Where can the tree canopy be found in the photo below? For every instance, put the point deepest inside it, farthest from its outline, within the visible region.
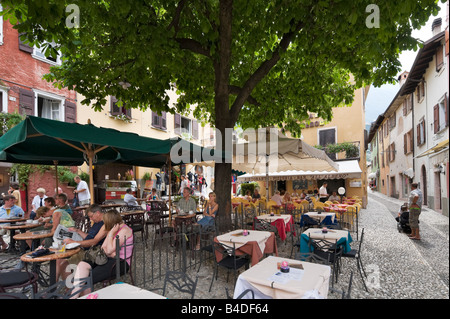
(268, 62)
(255, 63)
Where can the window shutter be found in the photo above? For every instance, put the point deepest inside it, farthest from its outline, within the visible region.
(163, 121)
(405, 143)
(436, 118)
(411, 140)
(155, 120)
(446, 109)
(115, 110)
(24, 46)
(126, 111)
(26, 101)
(70, 112)
(439, 59)
(418, 134)
(177, 123)
(195, 129)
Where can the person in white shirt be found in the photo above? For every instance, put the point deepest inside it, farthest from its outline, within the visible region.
(84, 196)
(323, 194)
(38, 201)
(277, 198)
(129, 199)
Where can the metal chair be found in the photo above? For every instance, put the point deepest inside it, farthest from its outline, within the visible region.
(356, 254)
(60, 290)
(327, 250)
(228, 260)
(17, 279)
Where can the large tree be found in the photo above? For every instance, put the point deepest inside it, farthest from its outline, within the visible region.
(256, 63)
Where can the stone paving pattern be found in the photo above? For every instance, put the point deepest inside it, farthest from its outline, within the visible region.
(397, 267)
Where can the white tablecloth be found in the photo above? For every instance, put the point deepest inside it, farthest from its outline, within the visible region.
(239, 240)
(124, 291)
(312, 281)
(321, 216)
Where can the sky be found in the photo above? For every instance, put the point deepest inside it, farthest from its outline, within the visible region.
(379, 99)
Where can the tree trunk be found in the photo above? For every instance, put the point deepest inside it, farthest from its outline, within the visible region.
(222, 188)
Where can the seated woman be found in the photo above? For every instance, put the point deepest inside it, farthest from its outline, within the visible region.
(287, 199)
(57, 217)
(115, 226)
(209, 214)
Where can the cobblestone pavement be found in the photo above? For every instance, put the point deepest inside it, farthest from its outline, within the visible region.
(397, 267)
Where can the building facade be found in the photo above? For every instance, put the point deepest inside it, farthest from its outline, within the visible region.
(414, 146)
(24, 91)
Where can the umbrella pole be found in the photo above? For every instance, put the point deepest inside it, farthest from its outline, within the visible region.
(56, 175)
(170, 191)
(91, 176)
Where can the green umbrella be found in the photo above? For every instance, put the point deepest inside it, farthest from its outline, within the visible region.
(43, 141)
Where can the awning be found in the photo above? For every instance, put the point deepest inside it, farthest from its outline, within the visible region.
(409, 172)
(372, 175)
(437, 148)
(346, 169)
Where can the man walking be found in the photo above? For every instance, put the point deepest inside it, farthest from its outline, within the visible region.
(84, 196)
(415, 208)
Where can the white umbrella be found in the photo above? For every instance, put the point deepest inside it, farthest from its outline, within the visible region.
(270, 151)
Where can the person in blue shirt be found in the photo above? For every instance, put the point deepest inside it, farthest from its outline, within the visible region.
(95, 236)
(9, 209)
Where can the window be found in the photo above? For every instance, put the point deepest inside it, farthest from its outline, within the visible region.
(3, 99)
(420, 91)
(39, 54)
(408, 142)
(159, 121)
(439, 58)
(391, 152)
(49, 106)
(407, 105)
(327, 136)
(440, 112)
(421, 132)
(117, 110)
(184, 125)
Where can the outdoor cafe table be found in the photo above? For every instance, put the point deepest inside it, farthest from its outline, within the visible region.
(341, 237)
(52, 259)
(256, 243)
(122, 290)
(267, 282)
(321, 216)
(22, 227)
(34, 236)
(282, 222)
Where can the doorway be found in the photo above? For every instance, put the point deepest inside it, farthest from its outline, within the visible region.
(281, 186)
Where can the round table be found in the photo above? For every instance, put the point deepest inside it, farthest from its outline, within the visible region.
(22, 227)
(13, 220)
(52, 259)
(35, 237)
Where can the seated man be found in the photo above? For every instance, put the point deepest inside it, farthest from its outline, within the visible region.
(9, 209)
(94, 237)
(129, 199)
(334, 197)
(187, 203)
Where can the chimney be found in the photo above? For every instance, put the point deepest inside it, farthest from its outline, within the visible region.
(436, 26)
(402, 77)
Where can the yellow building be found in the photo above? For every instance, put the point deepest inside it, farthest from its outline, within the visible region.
(347, 126)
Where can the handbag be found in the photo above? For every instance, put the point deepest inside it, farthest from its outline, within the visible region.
(96, 255)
